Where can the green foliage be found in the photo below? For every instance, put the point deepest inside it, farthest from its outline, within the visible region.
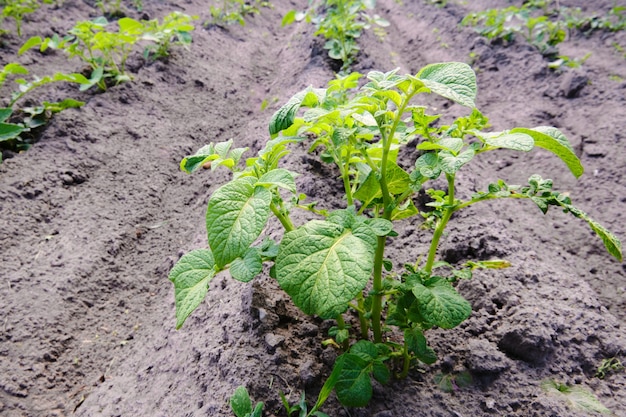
(235, 11)
(17, 121)
(326, 264)
(17, 9)
(341, 24)
(241, 404)
(106, 51)
(543, 26)
(176, 28)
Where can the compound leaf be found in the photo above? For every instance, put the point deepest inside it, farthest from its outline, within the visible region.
(323, 265)
(553, 140)
(191, 276)
(453, 80)
(440, 304)
(236, 216)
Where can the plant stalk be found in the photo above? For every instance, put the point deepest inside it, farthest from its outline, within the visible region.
(284, 219)
(441, 226)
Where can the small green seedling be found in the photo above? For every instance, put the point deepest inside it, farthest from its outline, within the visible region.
(176, 28)
(241, 404)
(336, 263)
(235, 11)
(341, 24)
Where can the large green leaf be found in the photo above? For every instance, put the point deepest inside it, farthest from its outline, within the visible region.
(323, 265)
(191, 276)
(553, 140)
(453, 80)
(236, 216)
(440, 304)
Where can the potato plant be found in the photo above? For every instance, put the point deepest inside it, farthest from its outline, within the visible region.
(16, 121)
(341, 23)
(335, 266)
(106, 51)
(17, 9)
(234, 11)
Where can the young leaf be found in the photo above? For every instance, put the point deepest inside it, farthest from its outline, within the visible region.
(279, 178)
(191, 276)
(440, 304)
(453, 80)
(323, 265)
(240, 402)
(450, 164)
(417, 344)
(551, 139)
(244, 269)
(354, 386)
(236, 215)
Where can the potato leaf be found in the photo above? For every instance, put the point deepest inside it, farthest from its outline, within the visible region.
(236, 215)
(191, 276)
(551, 139)
(440, 304)
(323, 265)
(453, 80)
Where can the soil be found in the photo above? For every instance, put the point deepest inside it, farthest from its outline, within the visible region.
(95, 214)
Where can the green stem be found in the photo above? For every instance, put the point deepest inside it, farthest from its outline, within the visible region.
(441, 225)
(284, 219)
(362, 320)
(377, 297)
(406, 364)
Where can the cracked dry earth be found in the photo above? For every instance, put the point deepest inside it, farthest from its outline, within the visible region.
(95, 214)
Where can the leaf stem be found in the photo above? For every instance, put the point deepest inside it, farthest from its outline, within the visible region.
(406, 365)
(284, 219)
(341, 325)
(441, 225)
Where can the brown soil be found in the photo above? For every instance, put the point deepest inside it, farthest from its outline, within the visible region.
(95, 214)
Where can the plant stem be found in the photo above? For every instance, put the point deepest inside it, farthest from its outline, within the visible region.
(362, 320)
(441, 225)
(406, 365)
(388, 203)
(284, 219)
